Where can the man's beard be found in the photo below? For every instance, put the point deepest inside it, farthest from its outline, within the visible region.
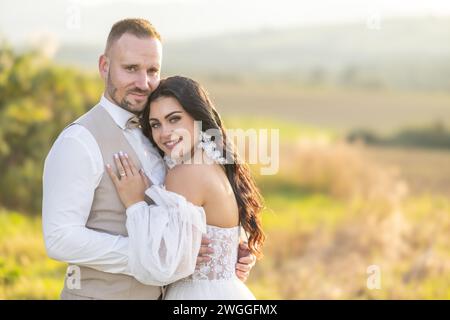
(124, 104)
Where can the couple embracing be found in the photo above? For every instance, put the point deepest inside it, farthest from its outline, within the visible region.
(141, 201)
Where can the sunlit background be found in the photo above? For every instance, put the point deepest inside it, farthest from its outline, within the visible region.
(360, 91)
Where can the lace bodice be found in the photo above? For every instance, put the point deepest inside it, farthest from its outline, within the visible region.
(225, 243)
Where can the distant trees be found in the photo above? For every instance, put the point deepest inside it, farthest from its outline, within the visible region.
(37, 100)
(434, 136)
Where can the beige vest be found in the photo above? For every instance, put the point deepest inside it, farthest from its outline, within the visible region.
(107, 215)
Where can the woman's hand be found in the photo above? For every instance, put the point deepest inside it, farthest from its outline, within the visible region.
(131, 183)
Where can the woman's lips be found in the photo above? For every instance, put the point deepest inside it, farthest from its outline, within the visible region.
(172, 143)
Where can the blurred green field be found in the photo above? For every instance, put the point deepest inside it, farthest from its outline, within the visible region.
(337, 108)
(335, 210)
(25, 270)
(427, 171)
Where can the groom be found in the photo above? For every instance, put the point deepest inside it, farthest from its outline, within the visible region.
(83, 217)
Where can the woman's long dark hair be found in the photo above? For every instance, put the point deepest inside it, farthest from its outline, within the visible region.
(195, 101)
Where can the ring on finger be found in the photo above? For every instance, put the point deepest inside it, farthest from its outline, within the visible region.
(122, 174)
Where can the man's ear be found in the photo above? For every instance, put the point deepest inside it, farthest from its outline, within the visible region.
(103, 66)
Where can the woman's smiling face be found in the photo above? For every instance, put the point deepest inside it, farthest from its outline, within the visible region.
(172, 127)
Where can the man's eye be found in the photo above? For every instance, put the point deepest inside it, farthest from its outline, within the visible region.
(132, 69)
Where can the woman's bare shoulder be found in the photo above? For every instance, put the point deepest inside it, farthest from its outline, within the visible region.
(190, 181)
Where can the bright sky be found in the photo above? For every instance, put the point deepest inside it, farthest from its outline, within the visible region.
(89, 21)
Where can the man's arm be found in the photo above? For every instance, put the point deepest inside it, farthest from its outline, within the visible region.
(71, 174)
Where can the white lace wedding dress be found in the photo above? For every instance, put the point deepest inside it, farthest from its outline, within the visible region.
(164, 241)
(215, 279)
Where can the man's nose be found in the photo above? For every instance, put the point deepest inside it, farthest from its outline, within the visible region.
(154, 82)
(143, 82)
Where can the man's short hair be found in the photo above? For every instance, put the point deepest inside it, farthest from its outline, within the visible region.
(140, 28)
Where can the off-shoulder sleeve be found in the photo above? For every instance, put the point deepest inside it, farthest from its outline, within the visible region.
(164, 239)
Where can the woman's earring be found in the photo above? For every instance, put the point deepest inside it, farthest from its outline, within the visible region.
(210, 148)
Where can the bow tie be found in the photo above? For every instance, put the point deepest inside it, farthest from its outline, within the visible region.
(133, 123)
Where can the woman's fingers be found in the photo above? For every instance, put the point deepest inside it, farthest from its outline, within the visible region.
(127, 163)
(130, 164)
(113, 176)
(126, 168)
(120, 168)
(147, 181)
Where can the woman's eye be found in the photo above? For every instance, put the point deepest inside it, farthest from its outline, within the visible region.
(154, 125)
(132, 69)
(174, 119)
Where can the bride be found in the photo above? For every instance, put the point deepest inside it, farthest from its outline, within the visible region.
(205, 180)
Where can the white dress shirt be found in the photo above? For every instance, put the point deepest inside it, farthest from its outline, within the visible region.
(72, 171)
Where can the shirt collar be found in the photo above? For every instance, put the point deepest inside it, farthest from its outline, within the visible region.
(119, 115)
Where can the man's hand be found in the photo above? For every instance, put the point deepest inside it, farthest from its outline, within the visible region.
(205, 250)
(246, 261)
